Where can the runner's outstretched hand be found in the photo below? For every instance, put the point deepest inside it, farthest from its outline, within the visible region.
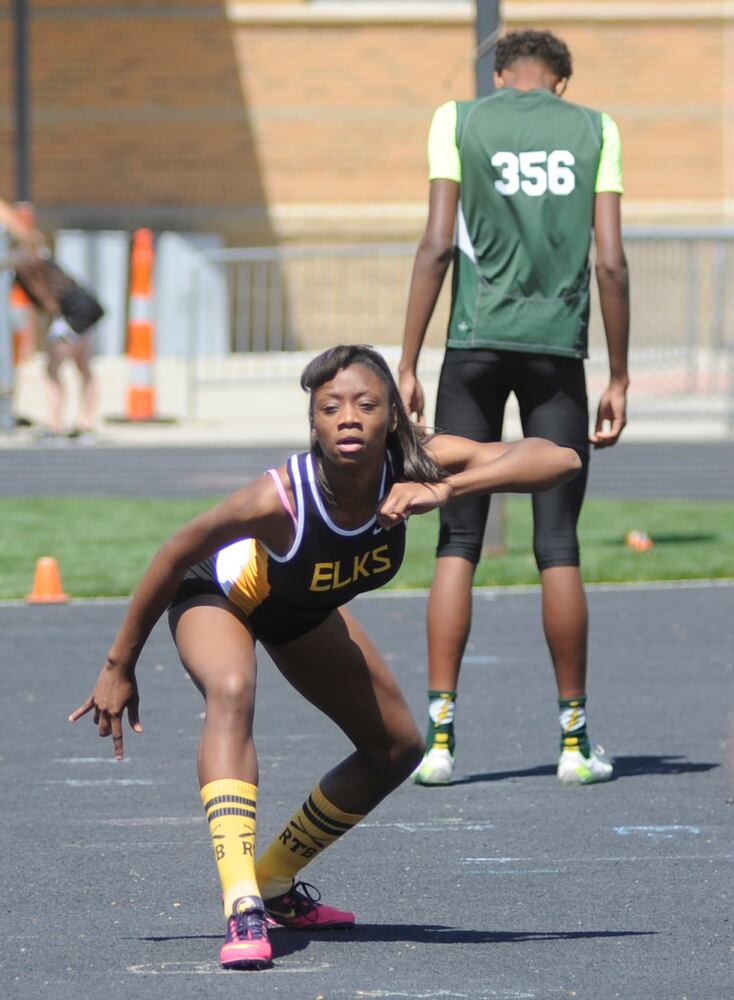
(115, 691)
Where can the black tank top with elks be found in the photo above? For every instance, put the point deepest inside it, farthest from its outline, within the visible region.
(285, 596)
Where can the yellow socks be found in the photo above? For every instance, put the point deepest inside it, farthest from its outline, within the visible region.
(315, 826)
(230, 810)
(230, 807)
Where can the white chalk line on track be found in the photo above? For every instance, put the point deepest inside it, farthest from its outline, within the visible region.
(448, 825)
(153, 821)
(451, 994)
(562, 862)
(653, 834)
(93, 782)
(281, 967)
(214, 969)
(90, 760)
(127, 845)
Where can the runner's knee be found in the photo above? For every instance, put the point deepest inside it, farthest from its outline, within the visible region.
(229, 692)
(395, 755)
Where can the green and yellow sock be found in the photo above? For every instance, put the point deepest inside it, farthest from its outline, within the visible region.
(230, 807)
(316, 825)
(573, 725)
(441, 713)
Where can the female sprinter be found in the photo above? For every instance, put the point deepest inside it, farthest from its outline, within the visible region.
(275, 562)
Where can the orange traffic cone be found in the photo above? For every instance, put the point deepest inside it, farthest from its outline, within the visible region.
(140, 393)
(638, 541)
(47, 583)
(22, 313)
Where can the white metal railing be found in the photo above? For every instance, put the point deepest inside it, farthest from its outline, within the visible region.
(286, 303)
(6, 340)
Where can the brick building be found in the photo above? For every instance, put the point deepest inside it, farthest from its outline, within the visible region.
(286, 121)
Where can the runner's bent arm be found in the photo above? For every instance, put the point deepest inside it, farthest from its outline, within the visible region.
(525, 466)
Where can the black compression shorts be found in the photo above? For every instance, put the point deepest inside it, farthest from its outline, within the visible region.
(201, 579)
(551, 394)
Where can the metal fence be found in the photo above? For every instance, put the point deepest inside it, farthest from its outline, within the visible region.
(287, 302)
(6, 342)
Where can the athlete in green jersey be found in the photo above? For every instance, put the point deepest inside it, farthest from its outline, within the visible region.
(519, 180)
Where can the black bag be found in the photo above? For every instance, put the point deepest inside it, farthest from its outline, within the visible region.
(47, 285)
(79, 308)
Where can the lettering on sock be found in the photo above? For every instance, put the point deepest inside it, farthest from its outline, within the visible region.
(319, 842)
(297, 846)
(230, 806)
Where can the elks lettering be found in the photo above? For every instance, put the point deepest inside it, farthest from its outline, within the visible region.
(331, 576)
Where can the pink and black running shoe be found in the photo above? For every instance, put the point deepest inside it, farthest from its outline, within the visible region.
(301, 909)
(246, 945)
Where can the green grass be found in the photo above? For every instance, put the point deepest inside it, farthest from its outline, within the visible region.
(692, 541)
(103, 545)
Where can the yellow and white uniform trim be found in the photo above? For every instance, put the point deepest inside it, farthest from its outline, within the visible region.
(444, 160)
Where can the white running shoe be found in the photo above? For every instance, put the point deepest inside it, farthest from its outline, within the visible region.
(575, 769)
(436, 768)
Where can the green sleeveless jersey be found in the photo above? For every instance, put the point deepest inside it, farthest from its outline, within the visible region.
(529, 164)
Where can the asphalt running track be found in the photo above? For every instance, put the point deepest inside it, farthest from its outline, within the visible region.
(503, 885)
(634, 470)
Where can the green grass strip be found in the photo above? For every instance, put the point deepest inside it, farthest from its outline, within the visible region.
(104, 544)
(693, 540)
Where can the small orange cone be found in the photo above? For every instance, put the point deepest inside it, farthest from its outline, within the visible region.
(638, 541)
(47, 583)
